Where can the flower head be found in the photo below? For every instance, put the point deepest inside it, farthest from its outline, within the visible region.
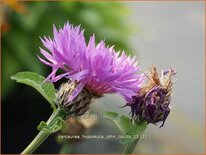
(152, 102)
(98, 69)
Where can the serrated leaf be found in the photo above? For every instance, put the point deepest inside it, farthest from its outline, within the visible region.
(35, 80)
(122, 122)
(134, 131)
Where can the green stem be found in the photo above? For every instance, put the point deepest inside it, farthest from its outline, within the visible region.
(131, 146)
(42, 136)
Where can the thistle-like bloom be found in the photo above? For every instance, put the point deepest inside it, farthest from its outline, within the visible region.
(98, 69)
(152, 102)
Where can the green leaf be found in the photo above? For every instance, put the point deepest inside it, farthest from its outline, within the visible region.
(130, 128)
(134, 132)
(35, 80)
(57, 125)
(131, 146)
(122, 122)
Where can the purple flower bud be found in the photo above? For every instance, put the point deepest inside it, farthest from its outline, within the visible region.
(152, 102)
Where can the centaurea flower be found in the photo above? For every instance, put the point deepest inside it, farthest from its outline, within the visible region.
(95, 69)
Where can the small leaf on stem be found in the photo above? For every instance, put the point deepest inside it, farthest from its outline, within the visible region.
(57, 125)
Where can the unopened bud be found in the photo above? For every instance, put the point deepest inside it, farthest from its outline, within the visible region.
(79, 105)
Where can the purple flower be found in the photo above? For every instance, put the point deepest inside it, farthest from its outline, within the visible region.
(98, 69)
(152, 102)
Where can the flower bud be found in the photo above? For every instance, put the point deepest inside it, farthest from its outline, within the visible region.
(79, 105)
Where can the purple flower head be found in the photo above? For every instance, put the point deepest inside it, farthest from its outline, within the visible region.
(98, 69)
(152, 102)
